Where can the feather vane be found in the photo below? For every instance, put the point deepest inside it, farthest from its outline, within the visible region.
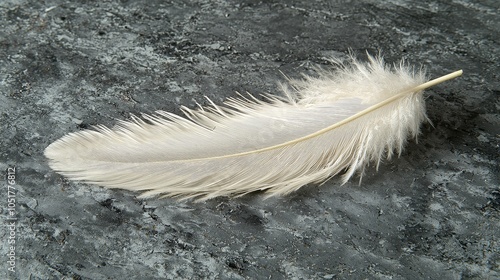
(337, 122)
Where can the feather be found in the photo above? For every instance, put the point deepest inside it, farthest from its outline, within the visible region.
(339, 121)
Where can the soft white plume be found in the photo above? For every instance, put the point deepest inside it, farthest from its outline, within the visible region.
(337, 122)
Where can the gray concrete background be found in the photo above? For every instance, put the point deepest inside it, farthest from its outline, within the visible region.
(433, 213)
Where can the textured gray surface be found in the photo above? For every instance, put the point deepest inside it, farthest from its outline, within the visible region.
(434, 213)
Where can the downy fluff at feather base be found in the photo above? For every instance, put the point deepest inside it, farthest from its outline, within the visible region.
(339, 121)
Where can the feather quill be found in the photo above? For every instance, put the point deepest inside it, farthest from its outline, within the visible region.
(337, 122)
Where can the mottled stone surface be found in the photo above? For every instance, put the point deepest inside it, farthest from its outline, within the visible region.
(433, 213)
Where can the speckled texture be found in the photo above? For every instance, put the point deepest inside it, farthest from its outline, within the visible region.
(434, 213)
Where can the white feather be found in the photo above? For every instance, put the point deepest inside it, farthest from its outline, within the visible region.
(339, 121)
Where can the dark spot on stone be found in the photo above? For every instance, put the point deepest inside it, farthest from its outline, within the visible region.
(108, 203)
(236, 263)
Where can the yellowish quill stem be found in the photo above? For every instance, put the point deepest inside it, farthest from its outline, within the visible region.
(389, 100)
